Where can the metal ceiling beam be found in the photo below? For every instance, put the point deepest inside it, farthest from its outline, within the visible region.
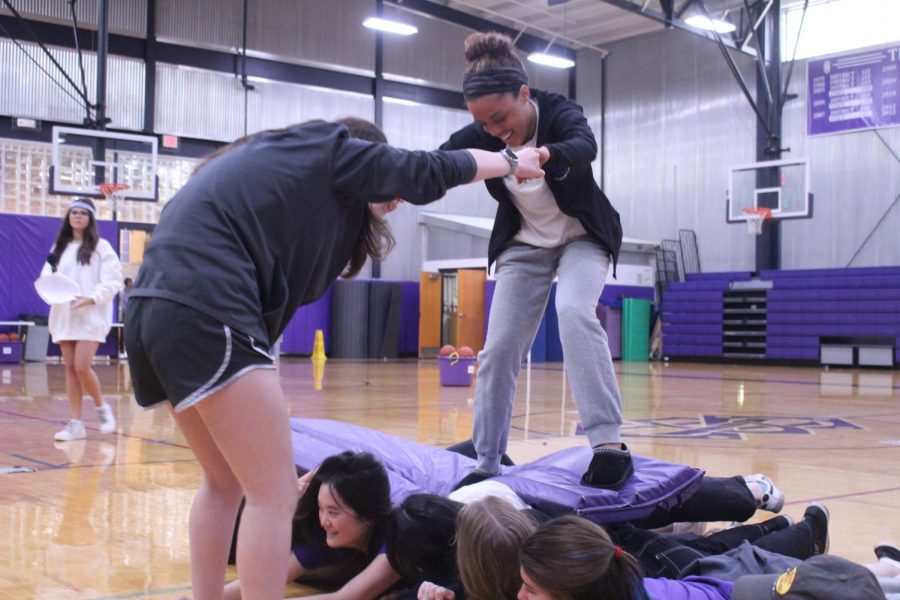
(526, 41)
(661, 18)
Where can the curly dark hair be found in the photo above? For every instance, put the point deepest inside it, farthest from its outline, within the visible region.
(490, 50)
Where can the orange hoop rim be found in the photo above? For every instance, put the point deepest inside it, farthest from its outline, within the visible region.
(764, 213)
(108, 189)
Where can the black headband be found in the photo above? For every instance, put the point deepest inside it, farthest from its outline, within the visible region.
(493, 81)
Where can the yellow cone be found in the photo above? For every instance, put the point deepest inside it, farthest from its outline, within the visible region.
(318, 365)
(319, 347)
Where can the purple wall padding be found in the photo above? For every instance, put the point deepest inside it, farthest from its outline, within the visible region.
(25, 242)
(409, 318)
(300, 333)
(857, 272)
(551, 484)
(614, 293)
(726, 275)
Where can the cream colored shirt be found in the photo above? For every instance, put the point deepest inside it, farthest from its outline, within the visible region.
(543, 224)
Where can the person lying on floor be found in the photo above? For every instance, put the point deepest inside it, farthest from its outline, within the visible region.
(339, 530)
(425, 533)
(503, 554)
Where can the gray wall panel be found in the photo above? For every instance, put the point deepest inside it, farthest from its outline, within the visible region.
(421, 127)
(196, 103)
(588, 93)
(321, 32)
(27, 91)
(125, 16)
(676, 120)
(433, 55)
(202, 22)
(275, 104)
(327, 33)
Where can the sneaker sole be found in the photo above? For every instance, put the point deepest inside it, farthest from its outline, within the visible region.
(827, 514)
(887, 551)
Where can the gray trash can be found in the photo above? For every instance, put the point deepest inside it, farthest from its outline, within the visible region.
(36, 341)
(37, 338)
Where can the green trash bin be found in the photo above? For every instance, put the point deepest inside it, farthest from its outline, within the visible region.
(635, 329)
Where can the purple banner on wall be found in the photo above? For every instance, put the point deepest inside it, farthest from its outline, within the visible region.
(853, 91)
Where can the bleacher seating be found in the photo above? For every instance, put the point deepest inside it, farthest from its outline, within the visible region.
(803, 308)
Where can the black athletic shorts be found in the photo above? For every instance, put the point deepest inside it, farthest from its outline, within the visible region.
(179, 354)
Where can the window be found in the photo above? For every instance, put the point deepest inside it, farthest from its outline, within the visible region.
(833, 26)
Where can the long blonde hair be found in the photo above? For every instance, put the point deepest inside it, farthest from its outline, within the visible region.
(490, 534)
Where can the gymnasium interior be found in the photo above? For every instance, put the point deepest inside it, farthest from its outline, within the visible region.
(754, 318)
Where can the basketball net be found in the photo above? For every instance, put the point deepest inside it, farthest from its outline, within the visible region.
(113, 193)
(755, 218)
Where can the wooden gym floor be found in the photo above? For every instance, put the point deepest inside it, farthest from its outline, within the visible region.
(106, 518)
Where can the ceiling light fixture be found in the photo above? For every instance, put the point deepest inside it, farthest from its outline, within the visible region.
(703, 22)
(551, 60)
(389, 26)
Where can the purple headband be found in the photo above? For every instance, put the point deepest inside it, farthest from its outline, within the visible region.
(493, 81)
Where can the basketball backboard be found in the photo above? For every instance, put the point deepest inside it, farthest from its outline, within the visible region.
(780, 185)
(83, 159)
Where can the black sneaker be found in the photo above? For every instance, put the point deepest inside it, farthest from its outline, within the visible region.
(473, 477)
(816, 515)
(609, 468)
(888, 552)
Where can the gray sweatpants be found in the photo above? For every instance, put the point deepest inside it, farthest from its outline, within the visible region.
(524, 275)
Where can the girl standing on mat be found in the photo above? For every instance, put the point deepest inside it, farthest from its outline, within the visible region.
(557, 225)
(80, 326)
(263, 227)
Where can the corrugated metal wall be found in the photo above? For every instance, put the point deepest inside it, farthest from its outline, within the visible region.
(675, 121)
(128, 17)
(425, 128)
(27, 91)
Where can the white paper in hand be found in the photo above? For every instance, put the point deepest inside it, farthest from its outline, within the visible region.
(56, 288)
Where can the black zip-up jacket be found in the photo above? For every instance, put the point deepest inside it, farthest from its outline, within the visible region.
(267, 226)
(563, 129)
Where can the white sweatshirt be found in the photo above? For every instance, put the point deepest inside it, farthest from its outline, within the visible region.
(101, 279)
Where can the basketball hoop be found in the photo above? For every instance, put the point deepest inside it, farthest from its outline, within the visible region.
(113, 193)
(755, 218)
(112, 189)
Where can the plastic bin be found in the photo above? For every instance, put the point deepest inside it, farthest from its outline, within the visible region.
(635, 329)
(10, 352)
(457, 370)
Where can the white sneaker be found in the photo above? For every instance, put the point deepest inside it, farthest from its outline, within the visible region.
(74, 430)
(772, 498)
(106, 418)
